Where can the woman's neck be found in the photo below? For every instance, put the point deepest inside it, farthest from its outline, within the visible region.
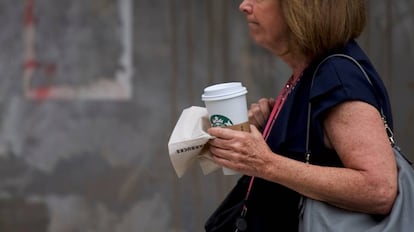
(297, 63)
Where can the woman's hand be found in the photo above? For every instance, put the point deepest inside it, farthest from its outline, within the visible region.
(244, 152)
(259, 112)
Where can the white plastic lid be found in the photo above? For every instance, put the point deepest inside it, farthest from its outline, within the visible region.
(223, 91)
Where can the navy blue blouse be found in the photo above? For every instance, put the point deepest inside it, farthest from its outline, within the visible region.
(338, 80)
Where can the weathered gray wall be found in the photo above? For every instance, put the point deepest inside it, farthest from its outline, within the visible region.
(84, 130)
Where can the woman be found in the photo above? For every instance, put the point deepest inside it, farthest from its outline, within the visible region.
(352, 164)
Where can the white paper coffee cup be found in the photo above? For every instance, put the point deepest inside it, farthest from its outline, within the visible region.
(227, 107)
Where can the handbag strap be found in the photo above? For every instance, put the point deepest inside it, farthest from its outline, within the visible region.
(387, 128)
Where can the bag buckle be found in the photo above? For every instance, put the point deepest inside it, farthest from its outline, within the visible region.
(241, 223)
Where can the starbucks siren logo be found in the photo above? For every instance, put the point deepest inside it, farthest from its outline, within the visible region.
(220, 121)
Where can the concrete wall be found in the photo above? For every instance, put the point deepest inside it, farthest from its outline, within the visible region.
(91, 90)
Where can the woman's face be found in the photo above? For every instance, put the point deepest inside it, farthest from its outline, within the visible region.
(266, 23)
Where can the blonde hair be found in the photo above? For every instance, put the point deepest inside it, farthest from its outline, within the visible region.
(319, 26)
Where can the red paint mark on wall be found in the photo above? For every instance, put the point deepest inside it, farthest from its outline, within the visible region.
(42, 93)
(31, 64)
(29, 17)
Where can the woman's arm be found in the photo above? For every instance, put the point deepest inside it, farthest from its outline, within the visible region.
(368, 183)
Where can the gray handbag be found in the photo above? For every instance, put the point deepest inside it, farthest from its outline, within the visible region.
(317, 216)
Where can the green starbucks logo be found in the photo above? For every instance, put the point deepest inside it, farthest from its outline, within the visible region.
(220, 121)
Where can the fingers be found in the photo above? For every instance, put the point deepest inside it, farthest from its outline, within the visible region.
(221, 132)
(260, 111)
(255, 115)
(226, 138)
(272, 102)
(255, 131)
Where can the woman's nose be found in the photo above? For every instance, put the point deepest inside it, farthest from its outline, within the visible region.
(246, 7)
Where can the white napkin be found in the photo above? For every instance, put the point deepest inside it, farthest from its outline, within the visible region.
(188, 142)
